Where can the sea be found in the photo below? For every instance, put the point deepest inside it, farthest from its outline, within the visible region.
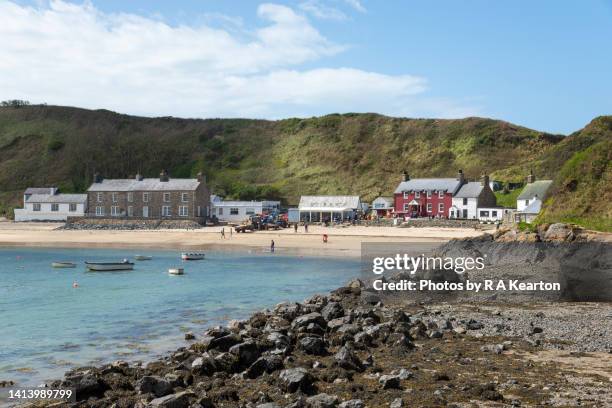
(47, 326)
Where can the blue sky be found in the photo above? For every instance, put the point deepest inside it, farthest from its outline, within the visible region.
(542, 64)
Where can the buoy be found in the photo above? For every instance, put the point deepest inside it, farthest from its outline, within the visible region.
(75, 284)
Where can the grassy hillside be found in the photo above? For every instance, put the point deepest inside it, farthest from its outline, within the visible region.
(334, 154)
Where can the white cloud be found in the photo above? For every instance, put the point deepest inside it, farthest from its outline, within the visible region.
(319, 10)
(74, 54)
(356, 4)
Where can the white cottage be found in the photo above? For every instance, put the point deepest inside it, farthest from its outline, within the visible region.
(533, 190)
(471, 196)
(320, 208)
(47, 204)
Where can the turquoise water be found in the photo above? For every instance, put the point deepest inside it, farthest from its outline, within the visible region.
(47, 326)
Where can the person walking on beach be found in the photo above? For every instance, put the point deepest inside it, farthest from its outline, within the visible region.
(223, 233)
(295, 227)
(272, 246)
(231, 233)
(306, 227)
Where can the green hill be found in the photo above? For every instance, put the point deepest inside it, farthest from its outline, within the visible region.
(334, 154)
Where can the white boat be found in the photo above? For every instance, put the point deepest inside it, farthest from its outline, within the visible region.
(143, 257)
(176, 271)
(59, 264)
(124, 265)
(192, 256)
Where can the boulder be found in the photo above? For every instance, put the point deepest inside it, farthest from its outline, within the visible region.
(390, 381)
(313, 345)
(322, 401)
(287, 310)
(332, 310)
(224, 343)
(179, 400)
(154, 385)
(305, 320)
(346, 359)
(294, 379)
(86, 385)
(265, 364)
(558, 232)
(246, 352)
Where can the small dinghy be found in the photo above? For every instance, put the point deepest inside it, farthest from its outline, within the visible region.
(124, 265)
(176, 271)
(192, 256)
(63, 264)
(143, 258)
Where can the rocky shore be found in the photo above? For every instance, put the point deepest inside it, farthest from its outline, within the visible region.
(350, 349)
(359, 348)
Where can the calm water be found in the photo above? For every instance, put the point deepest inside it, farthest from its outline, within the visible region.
(47, 326)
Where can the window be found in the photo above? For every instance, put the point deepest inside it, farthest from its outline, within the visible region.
(115, 211)
(405, 195)
(72, 207)
(429, 207)
(165, 211)
(250, 211)
(183, 211)
(526, 202)
(166, 197)
(406, 207)
(145, 197)
(130, 211)
(440, 207)
(417, 194)
(100, 197)
(130, 197)
(184, 197)
(441, 194)
(428, 193)
(233, 211)
(465, 201)
(484, 213)
(494, 213)
(55, 207)
(220, 210)
(115, 197)
(36, 207)
(145, 211)
(100, 211)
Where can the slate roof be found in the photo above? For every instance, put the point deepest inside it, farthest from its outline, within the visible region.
(471, 189)
(148, 184)
(58, 198)
(446, 184)
(538, 187)
(328, 203)
(40, 190)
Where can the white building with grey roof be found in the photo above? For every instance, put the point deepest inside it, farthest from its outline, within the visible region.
(470, 197)
(321, 208)
(529, 202)
(47, 204)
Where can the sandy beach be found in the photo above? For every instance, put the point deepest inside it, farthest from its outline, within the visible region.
(342, 240)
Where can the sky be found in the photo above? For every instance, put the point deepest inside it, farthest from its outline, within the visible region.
(543, 64)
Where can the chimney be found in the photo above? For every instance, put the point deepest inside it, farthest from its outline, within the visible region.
(530, 177)
(201, 177)
(139, 177)
(484, 180)
(163, 176)
(460, 176)
(405, 176)
(97, 178)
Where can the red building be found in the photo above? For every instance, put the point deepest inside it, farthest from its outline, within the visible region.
(426, 197)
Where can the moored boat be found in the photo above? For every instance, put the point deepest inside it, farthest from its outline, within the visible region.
(59, 264)
(176, 271)
(192, 256)
(143, 257)
(124, 265)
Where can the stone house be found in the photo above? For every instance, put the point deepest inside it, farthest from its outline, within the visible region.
(149, 198)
